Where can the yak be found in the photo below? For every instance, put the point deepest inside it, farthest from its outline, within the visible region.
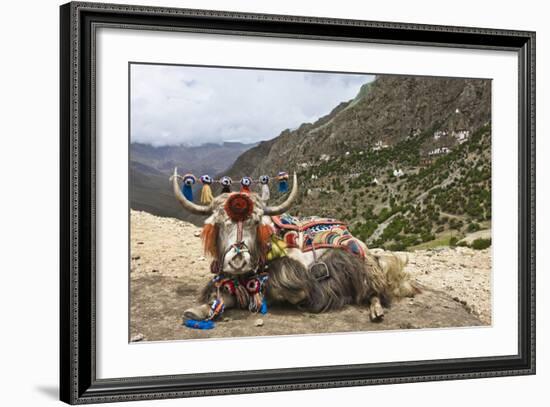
(254, 266)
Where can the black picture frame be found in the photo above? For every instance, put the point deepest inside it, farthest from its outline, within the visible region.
(78, 382)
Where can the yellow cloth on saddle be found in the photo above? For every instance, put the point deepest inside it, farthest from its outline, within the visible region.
(278, 248)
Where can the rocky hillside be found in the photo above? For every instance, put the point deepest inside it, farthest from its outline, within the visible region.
(389, 110)
(405, 163)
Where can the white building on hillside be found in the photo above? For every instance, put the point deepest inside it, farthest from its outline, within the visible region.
(379, 145)
(398, 173)
(439, 151)
(461, 136)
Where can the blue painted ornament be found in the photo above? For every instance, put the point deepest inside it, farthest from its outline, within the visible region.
(282, 177)
(187, 187)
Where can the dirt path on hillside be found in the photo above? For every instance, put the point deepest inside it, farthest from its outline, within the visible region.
(168, 269)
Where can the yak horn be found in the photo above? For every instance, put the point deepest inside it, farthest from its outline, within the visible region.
(285, 206)
(190, 206)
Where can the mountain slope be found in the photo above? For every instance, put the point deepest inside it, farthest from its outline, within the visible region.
(389, 110)
(434, 133)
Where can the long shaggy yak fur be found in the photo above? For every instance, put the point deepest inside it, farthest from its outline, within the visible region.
(352, 281)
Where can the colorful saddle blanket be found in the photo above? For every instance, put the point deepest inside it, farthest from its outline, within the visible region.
(318, 233)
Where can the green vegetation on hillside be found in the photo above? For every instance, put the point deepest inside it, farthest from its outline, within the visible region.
(452, 194)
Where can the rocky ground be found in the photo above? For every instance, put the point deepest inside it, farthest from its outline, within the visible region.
(168, 269)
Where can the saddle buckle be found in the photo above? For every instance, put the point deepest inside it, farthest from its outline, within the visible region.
(319, 270)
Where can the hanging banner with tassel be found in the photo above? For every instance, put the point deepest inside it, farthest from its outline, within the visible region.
(245, 184)
(206, 191)
(207, 196)
(282, 177)
(264, 180)
(226, 184)
(187, 187)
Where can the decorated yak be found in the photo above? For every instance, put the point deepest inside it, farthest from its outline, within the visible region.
(261, 255)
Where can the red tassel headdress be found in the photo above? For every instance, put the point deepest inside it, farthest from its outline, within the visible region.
(239, 207)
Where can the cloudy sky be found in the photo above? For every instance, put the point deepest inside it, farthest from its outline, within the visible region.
(195, 105)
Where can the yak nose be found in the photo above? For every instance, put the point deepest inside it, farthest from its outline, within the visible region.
(238, 261)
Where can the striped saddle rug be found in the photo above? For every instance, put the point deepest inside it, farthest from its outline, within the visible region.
(313, 232)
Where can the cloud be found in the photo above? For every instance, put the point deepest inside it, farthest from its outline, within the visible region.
(173, 105)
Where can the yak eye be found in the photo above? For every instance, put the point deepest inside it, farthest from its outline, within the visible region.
(206, 179)
(246, 181)
(264, 179)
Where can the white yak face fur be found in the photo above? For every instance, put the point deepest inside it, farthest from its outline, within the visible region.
(236, 257)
